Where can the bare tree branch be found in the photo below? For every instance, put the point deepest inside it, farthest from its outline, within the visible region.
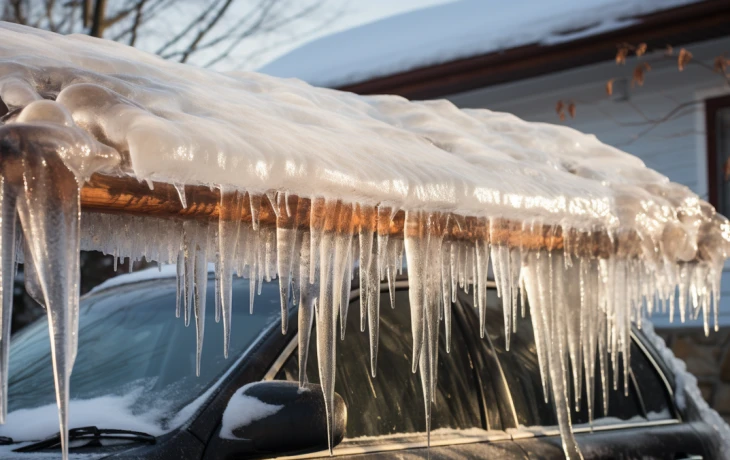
(205, 30)
(137, 22)
(191, 25)
(214, 31)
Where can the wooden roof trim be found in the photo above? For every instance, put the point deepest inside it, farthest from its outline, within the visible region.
(678, 26)
(126, 195)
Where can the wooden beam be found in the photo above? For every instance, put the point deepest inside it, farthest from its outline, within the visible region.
(126, 195)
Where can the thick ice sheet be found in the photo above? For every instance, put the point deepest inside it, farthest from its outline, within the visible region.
(181, 124)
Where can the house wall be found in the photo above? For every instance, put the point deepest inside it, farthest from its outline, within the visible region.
(677, 148)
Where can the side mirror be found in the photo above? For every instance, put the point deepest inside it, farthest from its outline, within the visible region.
(277, 417)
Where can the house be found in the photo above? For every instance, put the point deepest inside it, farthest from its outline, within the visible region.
(528, 57)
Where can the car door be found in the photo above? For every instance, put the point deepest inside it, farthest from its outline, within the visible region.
(385, 413)
(642, 424)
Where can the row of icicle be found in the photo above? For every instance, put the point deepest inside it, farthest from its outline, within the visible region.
(581, 308)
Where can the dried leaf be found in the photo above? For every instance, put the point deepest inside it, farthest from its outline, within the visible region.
(623, 51)
(683, 59)
(639, 73)
(641, 49)
(559, 107)
(669, 50)
(571, 109)
(720, 64)
(562, 116)
(609, 87)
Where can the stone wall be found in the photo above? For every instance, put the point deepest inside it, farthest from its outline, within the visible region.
(708, 358)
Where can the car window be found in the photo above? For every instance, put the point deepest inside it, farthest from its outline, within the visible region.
(522, 374)
(136, 360)
(392, 402)
(654, 394)
(519, 365)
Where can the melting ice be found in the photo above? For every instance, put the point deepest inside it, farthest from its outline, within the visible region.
(310, 183)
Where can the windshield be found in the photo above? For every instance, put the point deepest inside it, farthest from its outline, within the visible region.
(135, 367)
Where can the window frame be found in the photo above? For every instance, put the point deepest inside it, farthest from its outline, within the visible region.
(714, 187)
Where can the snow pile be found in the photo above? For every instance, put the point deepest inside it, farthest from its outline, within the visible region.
(242, 410)
(314, 182)
(455, 30)
(104, 411)
(686, 389)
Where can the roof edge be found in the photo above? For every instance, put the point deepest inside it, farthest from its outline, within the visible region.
(677, 26)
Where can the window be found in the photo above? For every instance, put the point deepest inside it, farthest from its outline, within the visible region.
(717, 118)
(134, 356)
(647, 399)
(392, 402)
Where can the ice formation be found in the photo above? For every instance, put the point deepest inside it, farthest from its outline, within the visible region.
(269, 178)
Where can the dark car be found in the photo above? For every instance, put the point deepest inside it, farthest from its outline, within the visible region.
(135, 393)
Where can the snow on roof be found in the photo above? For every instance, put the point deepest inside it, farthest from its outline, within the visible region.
(185, 125)
(453, 31)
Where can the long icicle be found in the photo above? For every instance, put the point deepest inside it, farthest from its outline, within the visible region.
(308, 297)
(414, 236)
(49, 210)
(365, 238)
(8, 241)
(229, 224)
(201, 288)
(326, 313)
(286, 236)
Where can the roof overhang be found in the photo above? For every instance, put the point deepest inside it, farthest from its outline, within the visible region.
(676, 27)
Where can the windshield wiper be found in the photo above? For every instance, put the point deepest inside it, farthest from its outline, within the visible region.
(91, 433)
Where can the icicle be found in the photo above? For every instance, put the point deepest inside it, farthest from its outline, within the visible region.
(255, 203)
(375, 275)
(572, 321)
(480, 285)
(534, 284)
(218, 289)
(365, 238)
(373, 308)
(286, 235)
(229, 224)
(326, 313)
(201, 288)
(414, 232)
(316, 228)
(341, 269)
(180, 283)
(189, 235)
(49, 210)
(346, 287)
(446, 294)
(181, 194)
(548, 316)
(307, 300)
(8, 244)
(392, 267)
(453, 269)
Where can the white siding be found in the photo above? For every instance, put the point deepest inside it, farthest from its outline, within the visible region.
(676, 148)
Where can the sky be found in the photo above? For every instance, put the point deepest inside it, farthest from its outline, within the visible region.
(355, 12)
